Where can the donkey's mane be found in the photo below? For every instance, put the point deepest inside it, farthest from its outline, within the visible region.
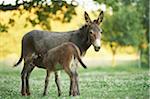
(81, 39)
(84, 29)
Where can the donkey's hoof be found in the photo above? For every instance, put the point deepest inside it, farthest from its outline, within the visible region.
(74, 94)
(78, 93)
(28, 93)
(59, 94)
(23, 94)
(44, 94)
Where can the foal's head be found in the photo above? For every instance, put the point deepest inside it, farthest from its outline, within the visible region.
(94, 31)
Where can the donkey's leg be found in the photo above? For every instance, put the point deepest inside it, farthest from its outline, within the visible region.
(46, 82)
(57, 81)
(23, 78)
(77, 84)
(29, 70)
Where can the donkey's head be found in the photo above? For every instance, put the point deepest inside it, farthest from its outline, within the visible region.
(94, 31)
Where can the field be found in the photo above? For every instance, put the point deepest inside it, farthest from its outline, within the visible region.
(120, 82)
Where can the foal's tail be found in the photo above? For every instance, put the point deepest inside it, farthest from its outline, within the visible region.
(81, 62)
(77, 55)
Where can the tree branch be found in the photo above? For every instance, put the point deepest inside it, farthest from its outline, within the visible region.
(26, 5)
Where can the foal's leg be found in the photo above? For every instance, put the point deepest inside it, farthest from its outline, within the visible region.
(68, 71)
(76, 75)
(73, 87)
(29, 70)
(46, 82)
(57, 81)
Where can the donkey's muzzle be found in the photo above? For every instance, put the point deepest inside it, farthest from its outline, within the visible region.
(97, 48)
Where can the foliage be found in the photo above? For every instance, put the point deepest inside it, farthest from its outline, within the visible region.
(123, 27)
(128, 25)
(42, 10)
(3, 28)
(143, 9)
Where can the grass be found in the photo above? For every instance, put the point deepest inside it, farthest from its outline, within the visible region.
(121, 82)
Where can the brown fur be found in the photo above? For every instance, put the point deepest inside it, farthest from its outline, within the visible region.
(63, 55)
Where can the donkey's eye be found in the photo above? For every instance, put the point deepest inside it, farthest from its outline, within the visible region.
(91, 32)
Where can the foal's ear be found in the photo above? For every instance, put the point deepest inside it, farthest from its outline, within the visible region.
(100, 18)
(87, 18)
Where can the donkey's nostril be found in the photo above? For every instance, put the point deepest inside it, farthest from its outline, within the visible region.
(98, 47)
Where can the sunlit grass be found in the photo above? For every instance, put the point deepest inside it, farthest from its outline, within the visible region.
(98, 82)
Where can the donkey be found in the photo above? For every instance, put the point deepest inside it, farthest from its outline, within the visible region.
(61, 57)
(39, 42)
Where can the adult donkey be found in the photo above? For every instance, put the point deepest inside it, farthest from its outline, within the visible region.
(39, 42)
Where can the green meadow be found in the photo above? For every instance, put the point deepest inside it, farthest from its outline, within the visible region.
(121, 82)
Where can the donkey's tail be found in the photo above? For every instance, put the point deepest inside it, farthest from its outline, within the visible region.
(77, 55)
(21, 57)
(19, 61)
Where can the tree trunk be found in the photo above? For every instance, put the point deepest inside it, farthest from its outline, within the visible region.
(139, 58)
(113, 58)
(113, 49)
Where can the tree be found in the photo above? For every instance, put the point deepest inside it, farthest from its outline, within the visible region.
(141, 8)
(35, 13)
(43, 11)
(123, 28)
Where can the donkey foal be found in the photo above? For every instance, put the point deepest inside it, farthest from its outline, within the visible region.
(62, 57)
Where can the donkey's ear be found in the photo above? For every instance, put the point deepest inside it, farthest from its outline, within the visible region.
(100, 18)
(87, 18)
